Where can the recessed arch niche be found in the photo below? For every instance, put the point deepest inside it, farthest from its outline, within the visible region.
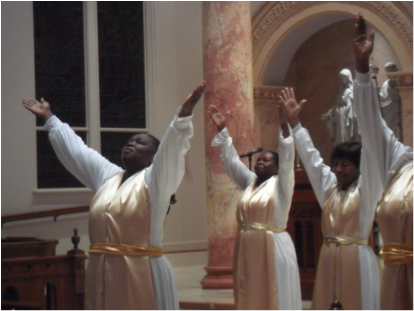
(283, 30)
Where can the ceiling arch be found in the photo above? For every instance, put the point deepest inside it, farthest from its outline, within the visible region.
(279, 28)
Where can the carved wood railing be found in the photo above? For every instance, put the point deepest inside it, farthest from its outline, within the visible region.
(55, 213)
(33, 277)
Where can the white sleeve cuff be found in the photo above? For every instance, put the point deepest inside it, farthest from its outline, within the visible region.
(363, 78)
(221, 137)
(287, 139)
(181, 123)
(52, 123)
(297, 128)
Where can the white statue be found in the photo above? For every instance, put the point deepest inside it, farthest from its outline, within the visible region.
(340, 119)
(390, 101)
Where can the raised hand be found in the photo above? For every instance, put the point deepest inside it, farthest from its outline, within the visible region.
(290, 106)
(192, 99)
(363, 44)
(217, 117)
(39, 109)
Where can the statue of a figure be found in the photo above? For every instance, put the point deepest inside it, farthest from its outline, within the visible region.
(340, 119)
(390, 101)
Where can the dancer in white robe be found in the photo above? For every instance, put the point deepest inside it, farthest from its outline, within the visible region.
(127, 269)
(394, 162)
(347, 268)
(266, 273)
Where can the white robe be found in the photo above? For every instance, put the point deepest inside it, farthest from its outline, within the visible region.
(287, 271)
(322, 179)
(162, 178)
(387, 154)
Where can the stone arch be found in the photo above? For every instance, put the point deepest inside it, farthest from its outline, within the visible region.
(279, 28)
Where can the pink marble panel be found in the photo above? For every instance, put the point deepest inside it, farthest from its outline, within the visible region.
(228, 72)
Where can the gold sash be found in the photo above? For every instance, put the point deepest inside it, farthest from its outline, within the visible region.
(259, 226)
(344, 240)
(397, 254)
(120, 249)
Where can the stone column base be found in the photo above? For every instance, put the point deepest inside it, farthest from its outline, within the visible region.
(218, 277)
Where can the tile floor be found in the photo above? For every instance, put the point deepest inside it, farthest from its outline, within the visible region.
(189, 271)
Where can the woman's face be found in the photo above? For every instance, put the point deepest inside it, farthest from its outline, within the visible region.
(138, 151)
(345, 171)
(265, 166)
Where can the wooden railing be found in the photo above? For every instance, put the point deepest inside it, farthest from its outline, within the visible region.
(55, 213)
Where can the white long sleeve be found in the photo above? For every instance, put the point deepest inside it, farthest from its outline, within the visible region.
(286, 180)
(164, 176)
(86, 164)
(385, 153)
(319, 174)
(235, 168)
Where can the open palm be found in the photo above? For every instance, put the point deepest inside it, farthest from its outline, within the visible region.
(217, 117)
(39, 109)
(289, 103)
(363, 44)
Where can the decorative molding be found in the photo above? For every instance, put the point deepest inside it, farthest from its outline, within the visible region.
(279, 9)
(267, 93)
(388, 13)
(383, 9)
(403, 79)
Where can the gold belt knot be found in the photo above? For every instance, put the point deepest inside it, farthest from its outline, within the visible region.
(122, 249)
(259, 226)
(344, 240)
(397, 254)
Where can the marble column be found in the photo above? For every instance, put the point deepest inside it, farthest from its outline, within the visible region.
(405, 86)
(227, 48)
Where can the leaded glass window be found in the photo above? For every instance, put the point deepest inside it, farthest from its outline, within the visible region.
(60, 78)
(53, 174)
(59, 59)
(121, 64)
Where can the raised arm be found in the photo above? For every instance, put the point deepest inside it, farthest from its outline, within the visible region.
(384, 153)
(235, 168)
(87, 165)
(319, 174)
(286, 181)
(164, 176)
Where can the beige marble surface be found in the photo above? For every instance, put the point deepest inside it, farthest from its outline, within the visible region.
(189, 271)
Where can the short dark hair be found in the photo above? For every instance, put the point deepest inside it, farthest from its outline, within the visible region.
(350, 150)
(155, 140)
(275, 156)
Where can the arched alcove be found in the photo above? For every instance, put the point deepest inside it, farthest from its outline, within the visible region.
(306, 44)
(279, 28)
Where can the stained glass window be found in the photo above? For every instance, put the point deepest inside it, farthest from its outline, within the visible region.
(121, 64)
(60, 77)
(53, 174)
(59, 58)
